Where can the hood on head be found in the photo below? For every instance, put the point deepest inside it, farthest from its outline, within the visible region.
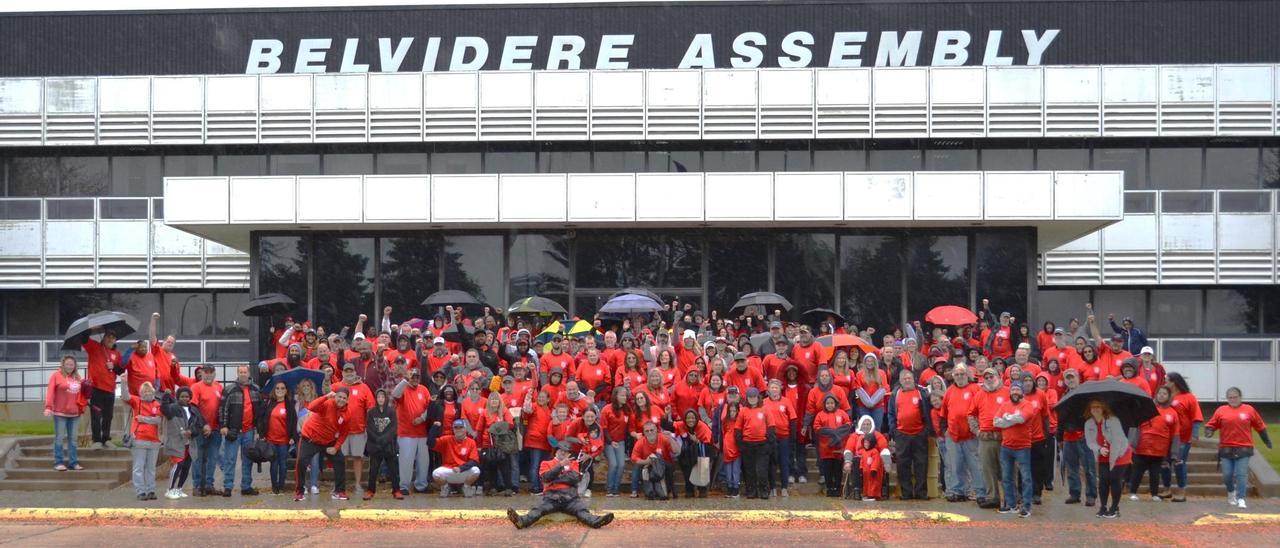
(866, 420)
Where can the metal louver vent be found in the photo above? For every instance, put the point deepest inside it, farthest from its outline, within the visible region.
(451, 124)
(395, 125)
(617, 123)
(561, 123)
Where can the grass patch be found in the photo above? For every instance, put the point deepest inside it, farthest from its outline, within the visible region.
(1272, 455)
(26, 428)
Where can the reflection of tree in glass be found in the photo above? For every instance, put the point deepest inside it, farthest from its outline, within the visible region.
(610, 260)
(938, 273)
(410, 272)
(75, 305)
(1270, 167)
(805, 266)
(84, 176)
(283, 270)
(540, 266)
(1002, 272)
(871, 281)
(344, 285)
(33, 177)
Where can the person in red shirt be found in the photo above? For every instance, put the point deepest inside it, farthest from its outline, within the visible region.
(756, 433)
(554, 384)
(962, 468)
(412, 401)
(871, 465)
(561, 476)
(730, 455)
(459, 457)
(774, 365)
(537, 421)
(831, 427)
(103, 366)
(323, 357)
(1189, 420)
(575, 399)
(631, 374)
(145, 429)
(141, 366)
(872, 390)
(1113, 355)
(695, 437)
(909, 420)
(206, 395)
(742, 375)
(278, 424)
(652, 456)
(1091, 367)
(782, 413)
(594, 376)
(65, 400)
(807, 355)
(323, 434)
(1149, 369)
(359, 402)
(687, 393)
(402, 350)
(1235, 420)
(1108, 440)
(991, 395)
(556, 358)
(1157, 440)
(1015, 419)
(615, 421)
(712, 397)
(859, 444)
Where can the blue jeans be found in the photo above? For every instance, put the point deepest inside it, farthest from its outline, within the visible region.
(1021, 458)
(1184, 451)
(536, 456)
(279, 466)
(733, 473)
(876, 413)
(1235, 474)
(1076, 454)
(64, 430)
(232, 448)
(617, 458)
(781, 463)
(963, 468)
(209, 448)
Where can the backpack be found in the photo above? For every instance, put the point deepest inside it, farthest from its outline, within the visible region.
(260, 451)
(504, 438)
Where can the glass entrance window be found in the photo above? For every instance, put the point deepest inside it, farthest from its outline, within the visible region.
(1002, 259)
(738, 263)
(539, 265)
(937, 273)
(282, 268)
(474, 264)
(805, 267)
(410, 270)
(871, 280)
(344, 280)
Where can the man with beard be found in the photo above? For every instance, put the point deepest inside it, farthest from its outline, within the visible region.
(560, 476)
(323, 357)
(236, 415)
(1014, 419)
(360, 399)
(402, 350)
(962, 466)
(987, 401)
(909, 420)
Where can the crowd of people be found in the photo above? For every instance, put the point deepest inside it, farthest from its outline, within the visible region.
(496, 406)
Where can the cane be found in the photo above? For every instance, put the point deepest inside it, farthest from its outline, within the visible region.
(844, 484)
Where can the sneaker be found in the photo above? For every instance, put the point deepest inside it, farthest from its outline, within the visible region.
(802, 479)
(397, 495)
(1111, 515)
(300, 496)
(172, 494)
(1156, 498)
(868, 499)
(1090, 501)
(250, 492)
(315, 490)
(226, 493)
(368, 495)
(1231, 498)
(610, 494)
(785, 493)
(469, 491)
(514, 517)
(182, 494)
(587, 494)
(151, 496)
(339, 495)
(773, 492)
(77, 467)
(1241, 505)
(1025, 513)
(988, 504)
(603, 521)
(60, 467)
(1072, 500)
(1133, 497)
(1006, 510)
(791, 479)
(142, 496)
(445, 491)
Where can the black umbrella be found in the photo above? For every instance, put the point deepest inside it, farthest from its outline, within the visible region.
(451, 333)
(78, 332)
(819, 315)
(763, 299)
(637, 291)
(1130, 404)
(268, 304)
(449, 296)
(536, 305)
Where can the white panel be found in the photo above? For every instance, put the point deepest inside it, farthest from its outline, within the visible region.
(261, 200)
(286, 92)
(1088, 242)
(624, 88)
(70, 95)
(1018, 195)
(1134, 233)
(1014, 84)
(1244, 84)
(232, 93)
(196, 200)
(125, 94)
(395, 91)
(961, 85)
(329, 199)
(19, 95)
(669, 196)
(786, 87)
(602, 197)
(340, 91)
(729, 88)
(69, 238)
(948, 195)
(894, 86)
(1245, 232)
(804, 196)
(563, 89)
(1201, 376)
(877, 195)
(673, 88)
(464, 198)
(18, 238)
(506, 89)
(166, 240)
(1186, 232)
(178, 94)
(843, 86)
(1256, 380)
(1080, 195)
(397, 198)
(1071, 84)
(1186, 84)
(532, 198)
(451, 90)
(739, 196)
(1129, 84)
(215, 248)
(123, 237)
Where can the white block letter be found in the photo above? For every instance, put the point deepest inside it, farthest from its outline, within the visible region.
(264, 57)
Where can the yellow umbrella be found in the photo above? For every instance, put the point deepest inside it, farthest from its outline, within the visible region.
(582, 326)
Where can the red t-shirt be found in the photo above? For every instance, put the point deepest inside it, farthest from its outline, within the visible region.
(615, 422)
(101, 361)
(1018, 436)
(1156, 434)
(576, 407)
(207, 398)
(141, 430)
(643, 449)
(548, 464)
(701, 431)
(246, 418)
(729, 448)
(562, 360)
(594, 377)
(825, 419)
(709, 400)
(755, 422)
(685, 396)
(985, 405)
(1188, 414)
(326, 424)
(1235, 424)
(781, 413)
(359, 402)
(654, 415)
(957, 402)
(278, 424)
(455, 453)
(1112, 360)
(744, 380)
(141, 369)
(411, 404)
(808, 358)
(909, 419)
(537, 425)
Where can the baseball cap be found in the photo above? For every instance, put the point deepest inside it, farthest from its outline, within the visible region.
(775, 324)
(753, 391)
(437, 340)
(1005, 314)
(1147, 350)
(1059, 331)
(207, 367)
(358, 336)
(689, 334)
(740, 356)
(348, 365)
(733, 389)
(459, 423)
(1024, 346)
(415, 372)
(1117, 337)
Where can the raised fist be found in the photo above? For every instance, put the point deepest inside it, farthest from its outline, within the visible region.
(386, 311)
(363, 317)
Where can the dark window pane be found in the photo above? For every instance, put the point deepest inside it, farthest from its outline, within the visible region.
(456, 162)
(1062, 159)
(244, 165)
(33, 176)
(409, 163)
(675, 160)
(188, 166)
(157, 208)
(729, 160)
(1132, 161)
(1008, 159)
(895, 160)
(138, 305)
(67, 210)
(229, 351)
(539, 265)
(348, 164)
(295, 164)
(1002, 271)
(75, 305)
(1060, 306)
(1176, 312)
(1139, 202)
(1186, 202)
(638, 259)
(123, 209)
(229, 320)
(1231, 167)
(951, 160)
(565, 161)
(618, 161)
(1187, 351)
(136, 176)
(1271, 168)
(805, 268)
(20, 210)
(474, 264)
(83, 176)
(19, 352)
(187, 315)
(344, 281)
(1124, 303)
(1244, 202)
(30, 313)
(784, 160)
(937, 273)
(1245, 351)
(1232, 312)
(585, 306)
(283, 269)
(510, 162)
(739, 264)
(1175, 168)
(186, 351)
(852, 159)
(410, 271)
(871, 281)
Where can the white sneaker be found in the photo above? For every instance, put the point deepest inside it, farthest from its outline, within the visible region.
(803, 479)
(468, 491)
(785, 493)
(773, 493)
(791, 479)
(1156, 498)
(444, 491)
(182, 494)
(587, 494)
(172, 494)
(315, 489)
(1133, 497)
(1231, 498)
(1241, 505)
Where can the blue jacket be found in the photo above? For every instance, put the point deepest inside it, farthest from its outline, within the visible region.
(1134, 339)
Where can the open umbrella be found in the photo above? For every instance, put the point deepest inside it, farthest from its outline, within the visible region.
(292, 377)
(552, 329)
(449, 296)
(536, 305)
(452, 333)
(637, 291)
(843, 341)
(763, 343)
(819, 315)
(950, 315)
(580, 327)
(78, 332)
(268, 304)
(1128, 403)
(630, 303)
(763, 298)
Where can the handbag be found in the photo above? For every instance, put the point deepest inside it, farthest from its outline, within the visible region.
(700, 475)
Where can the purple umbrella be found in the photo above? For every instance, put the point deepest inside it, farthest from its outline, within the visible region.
(630, 304)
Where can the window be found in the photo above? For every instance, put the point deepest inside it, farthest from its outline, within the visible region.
(33, 176)
(30, 313)
(75, 305)
(539, 265)
(784, 160)
(840, 159)
(1001, 259)
(123, 209)
(229, 319)
(1271, 168)
(188, 166)
(67, 210)
(343, 271)
(1139, 202)
(1186, 202)
(738, 263)
(410, 270)
(396, 163)
(1244, 202)
(895, 160)
(565, 161)
(1124, 303)
(242, 165)
(617, 259)
(804, 270)
(138, 305)
(510, 162)
(295, 164)
(186, 315)
(282, 263)
(937, 273)
(1008, 159)
(729, 160)
(871, 280)
(1231, 167)
(1062, 159)
(456, 162)
(1187, 351)
(474, 264)
(1176, 168)
(1176, 312)
(617, 161)
(348, 164)
(1060, 306)
(951, 160)
(1132, 161)
(137, 176)
(83, 176)
(1232, 312)
(675, 161)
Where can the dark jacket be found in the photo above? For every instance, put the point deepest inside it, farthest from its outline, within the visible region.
(262, 418)
(231, 412)
(381, 428)
(891, 420)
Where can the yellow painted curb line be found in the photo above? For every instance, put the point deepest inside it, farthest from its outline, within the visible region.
(161, 514)
(662, 515)
(46, 513)
(1233, 519)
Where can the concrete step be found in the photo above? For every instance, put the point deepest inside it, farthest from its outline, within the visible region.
(58, 485)
(69, 475)
(82, 452)
(90, 463)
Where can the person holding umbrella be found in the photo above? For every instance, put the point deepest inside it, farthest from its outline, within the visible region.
(1106, 438)
(104, 363)
(1234, 420)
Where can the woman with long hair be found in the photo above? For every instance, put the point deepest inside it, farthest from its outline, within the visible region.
(1157, 442)
(496, 464)
(1235, 420)
(1189, 420)
(65, 401)
(642, 412)
(841, 374)
(665, 363)
(615, 421)
(1106, 438)
(278, 424)
(306, 392)
(693, 433)
(630, 375)
(588, 430)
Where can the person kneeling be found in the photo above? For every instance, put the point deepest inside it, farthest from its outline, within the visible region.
(460, 469)
(561, 477)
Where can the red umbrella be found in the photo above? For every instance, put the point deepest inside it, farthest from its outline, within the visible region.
(843, 340)
(950, 315)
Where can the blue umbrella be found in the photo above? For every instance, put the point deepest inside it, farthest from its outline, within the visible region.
(630, 304)
(292, 377)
